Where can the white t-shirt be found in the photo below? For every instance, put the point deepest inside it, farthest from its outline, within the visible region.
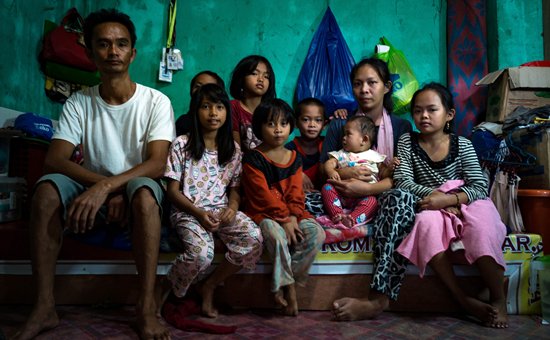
(114, 137)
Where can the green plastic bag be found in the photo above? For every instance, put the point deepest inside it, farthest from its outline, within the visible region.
(401, 75)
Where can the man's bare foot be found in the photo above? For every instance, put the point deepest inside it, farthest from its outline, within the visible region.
(292, 307)
(279, 298)
(206, 291)
(351, 309)
(484, 312)
(501, 319)
(148, 323)
(40, 320)
(150, 328)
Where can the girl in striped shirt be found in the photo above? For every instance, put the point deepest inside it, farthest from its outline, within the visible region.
(455, 220)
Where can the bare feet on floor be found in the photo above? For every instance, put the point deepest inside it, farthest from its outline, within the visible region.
(161, 294)
(501, 319)
(206, 291)
(280, 299)
(148, 323)
(351, 309)
(40, 320)
(484, 312)
(291, 309)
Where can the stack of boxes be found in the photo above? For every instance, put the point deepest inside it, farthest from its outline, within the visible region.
(527, 86)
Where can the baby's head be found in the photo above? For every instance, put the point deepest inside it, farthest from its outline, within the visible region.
(359, 133)
(310, 117)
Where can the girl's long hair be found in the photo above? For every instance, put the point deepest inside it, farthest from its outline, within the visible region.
(246, 67)
(224, 136)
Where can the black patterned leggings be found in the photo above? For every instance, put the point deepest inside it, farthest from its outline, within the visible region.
(393, 223)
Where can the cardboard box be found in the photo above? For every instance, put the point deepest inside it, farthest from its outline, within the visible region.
(509, 88)
(536, 143)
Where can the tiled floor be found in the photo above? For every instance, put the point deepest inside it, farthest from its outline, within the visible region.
(115, 322)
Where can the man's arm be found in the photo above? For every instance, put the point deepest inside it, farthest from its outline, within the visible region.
(58, 160)
(59, 155)
(82, 212)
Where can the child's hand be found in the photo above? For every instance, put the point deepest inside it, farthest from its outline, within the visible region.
(306, 183)
(294, 234)
(227, 216)
(454, 211)
(208, 221)
(333, 174)
(394, 163)
(434, 201)
(339, 114)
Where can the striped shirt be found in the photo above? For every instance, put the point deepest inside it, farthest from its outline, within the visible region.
(420, 175)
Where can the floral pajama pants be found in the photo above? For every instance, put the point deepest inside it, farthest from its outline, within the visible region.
(242, 238)
(291, 264)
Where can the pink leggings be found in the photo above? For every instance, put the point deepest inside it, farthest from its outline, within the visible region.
(362, 209)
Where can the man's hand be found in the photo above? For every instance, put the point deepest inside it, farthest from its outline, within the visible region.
(83, 210)
(293, 232)
(116, 209)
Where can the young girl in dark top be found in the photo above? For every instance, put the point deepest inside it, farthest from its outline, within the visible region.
(274, 199)
(456, 219)
(252, 82)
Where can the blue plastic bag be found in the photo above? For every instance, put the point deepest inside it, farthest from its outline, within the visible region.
(325, 73)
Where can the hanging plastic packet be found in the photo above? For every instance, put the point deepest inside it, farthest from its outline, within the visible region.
(171, 57)
(174, 60)
(165, 74)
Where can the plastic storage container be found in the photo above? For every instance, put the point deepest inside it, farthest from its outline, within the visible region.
(12, 195)
(535, 211)
(541, 268)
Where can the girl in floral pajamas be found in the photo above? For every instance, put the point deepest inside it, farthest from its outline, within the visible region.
(203, 172)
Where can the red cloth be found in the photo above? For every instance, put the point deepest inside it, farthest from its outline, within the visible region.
(176, 313)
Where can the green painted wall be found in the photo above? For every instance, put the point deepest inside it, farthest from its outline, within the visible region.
(515, 30)
(216, 34)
